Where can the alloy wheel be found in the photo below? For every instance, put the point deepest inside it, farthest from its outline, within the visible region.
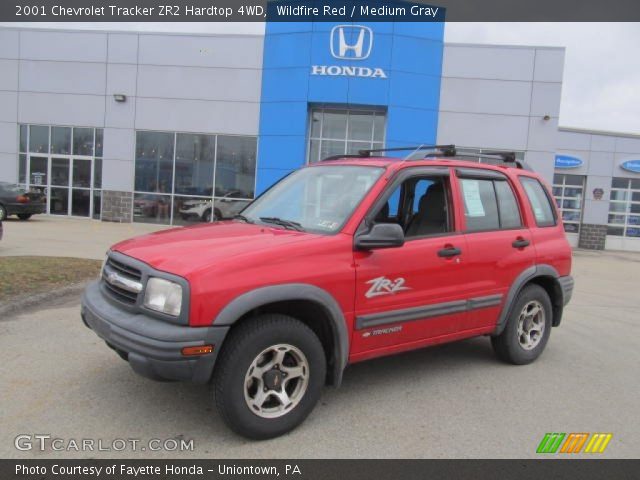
(276, 381)
(531, 325)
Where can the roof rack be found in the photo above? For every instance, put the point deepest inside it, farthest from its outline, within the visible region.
(448, 151)
(443, 150)
(504, 157)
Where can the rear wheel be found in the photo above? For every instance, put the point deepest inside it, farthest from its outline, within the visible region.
(528, 327)
(269, 376)
(24, 216)
(3, 213)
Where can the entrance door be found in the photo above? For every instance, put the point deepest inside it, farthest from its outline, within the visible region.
(80, 202)
(59, 190)
(70, 186)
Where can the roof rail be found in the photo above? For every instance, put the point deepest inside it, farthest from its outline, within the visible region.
(445, 150)
(339, 157)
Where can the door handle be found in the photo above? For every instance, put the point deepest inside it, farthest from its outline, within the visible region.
(449, 251)
(520, 243)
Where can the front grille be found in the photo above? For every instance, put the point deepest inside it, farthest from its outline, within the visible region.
(121, 294)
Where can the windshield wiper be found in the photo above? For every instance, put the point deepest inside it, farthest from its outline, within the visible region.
(285, 223)
(242, 217)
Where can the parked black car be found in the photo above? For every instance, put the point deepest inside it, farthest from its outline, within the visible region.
(16, 200)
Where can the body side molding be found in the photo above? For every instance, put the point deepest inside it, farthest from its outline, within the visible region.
(428, 311)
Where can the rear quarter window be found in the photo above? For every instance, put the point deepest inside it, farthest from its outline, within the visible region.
(539, 201)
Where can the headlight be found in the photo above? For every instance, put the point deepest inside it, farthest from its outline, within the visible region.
(163, 296)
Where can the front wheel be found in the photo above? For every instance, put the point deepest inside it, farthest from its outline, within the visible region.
(269, 376)
(528, 327)
(3, 213)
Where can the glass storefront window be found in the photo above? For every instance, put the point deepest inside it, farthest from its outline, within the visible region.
(149, 208)
(568, 191)
(59, 201)
(81, 173)
(207, 178)
(22, 168)
(338, 132)
(60, 172)
(83, 141)
(99, 142)
(624, 207)
(23, 138)
(38, 139)
(97, 204)
(187, 210)
(61, 140)
(195, 155)
(236, 166)
(97, 173)
(80, 202)
(154, 162)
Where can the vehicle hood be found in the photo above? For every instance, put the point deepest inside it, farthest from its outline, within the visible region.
(185, 250)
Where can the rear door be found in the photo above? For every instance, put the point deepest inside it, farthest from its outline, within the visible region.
(499, 245)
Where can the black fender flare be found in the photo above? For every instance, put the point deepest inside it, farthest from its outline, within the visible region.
(253, 299)
(521, 280)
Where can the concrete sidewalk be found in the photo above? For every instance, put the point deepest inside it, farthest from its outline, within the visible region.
(52, 236)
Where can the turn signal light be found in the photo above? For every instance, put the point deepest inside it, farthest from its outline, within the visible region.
(199, 350)
(22, 199)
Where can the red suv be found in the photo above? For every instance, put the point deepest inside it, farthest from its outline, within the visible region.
(341, 261)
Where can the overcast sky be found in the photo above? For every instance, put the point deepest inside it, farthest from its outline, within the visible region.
(601, 87)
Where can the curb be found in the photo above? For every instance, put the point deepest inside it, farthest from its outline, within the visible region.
(22, 303)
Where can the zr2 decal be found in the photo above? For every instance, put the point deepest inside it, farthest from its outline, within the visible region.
(384, 286)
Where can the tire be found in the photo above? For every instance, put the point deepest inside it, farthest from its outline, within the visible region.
(238, 364)
(24, 216)
(515, 344)
(217, 215)
(206, 216)
(3, 213)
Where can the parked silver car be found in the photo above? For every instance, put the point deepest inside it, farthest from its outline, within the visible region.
(225, 207)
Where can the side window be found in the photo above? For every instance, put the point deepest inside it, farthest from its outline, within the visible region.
(542, 209)
(508, 206)
(480, 206)
(419, 205)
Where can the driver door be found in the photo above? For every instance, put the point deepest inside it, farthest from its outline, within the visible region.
(415, 293)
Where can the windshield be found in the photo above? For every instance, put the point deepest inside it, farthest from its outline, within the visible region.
(316, 199)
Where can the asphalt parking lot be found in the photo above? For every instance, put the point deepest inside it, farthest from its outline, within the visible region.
(455, 400)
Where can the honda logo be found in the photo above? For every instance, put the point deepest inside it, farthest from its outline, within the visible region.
(351, 42)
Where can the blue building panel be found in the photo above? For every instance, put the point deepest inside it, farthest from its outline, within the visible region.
(394, 67)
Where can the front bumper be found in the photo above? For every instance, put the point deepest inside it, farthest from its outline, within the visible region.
(151, 346)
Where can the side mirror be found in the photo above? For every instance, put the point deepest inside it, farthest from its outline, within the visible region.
(381, 235)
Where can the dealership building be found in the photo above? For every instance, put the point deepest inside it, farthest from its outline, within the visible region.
(182, 128)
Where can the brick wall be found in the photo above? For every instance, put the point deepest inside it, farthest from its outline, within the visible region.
(117, 206)
(592, 237)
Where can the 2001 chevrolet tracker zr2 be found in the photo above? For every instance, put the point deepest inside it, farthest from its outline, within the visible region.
(341, 261)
